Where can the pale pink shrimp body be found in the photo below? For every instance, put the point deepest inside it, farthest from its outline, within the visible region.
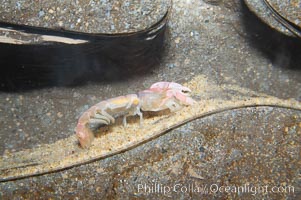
(160, 96)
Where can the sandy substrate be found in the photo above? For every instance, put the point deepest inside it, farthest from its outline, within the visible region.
(85, 16)
(66, 153)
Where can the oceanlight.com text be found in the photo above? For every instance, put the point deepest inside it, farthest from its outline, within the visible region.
(159, 188)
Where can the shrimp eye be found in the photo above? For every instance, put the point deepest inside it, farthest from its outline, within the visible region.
(185, 91)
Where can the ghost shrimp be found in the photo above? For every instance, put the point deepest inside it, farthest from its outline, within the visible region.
(160, 96)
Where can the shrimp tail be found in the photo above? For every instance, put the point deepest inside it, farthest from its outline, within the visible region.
(85, 136)
(83, 132)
